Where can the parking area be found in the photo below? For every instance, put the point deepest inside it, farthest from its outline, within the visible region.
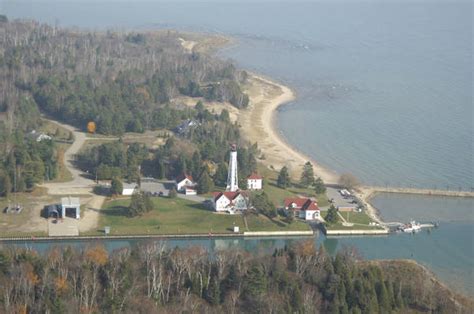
(339, 200)
(63, 227)
(156, 188)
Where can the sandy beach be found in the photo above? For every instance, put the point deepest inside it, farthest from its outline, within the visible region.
(259, 125)
(258, 120)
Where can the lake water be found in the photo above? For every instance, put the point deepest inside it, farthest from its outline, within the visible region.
(384, 92)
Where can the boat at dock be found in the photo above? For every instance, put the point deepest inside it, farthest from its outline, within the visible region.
(411, 227)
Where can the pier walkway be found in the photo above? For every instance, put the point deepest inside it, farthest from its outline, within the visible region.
(380, 189)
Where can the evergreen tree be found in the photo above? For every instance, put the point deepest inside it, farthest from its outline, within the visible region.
(283, 180)
(5, 184)
(307, 176)
(213, 292)
(181, 166)
(195, 164)
(220, 177)
(160, 169)
(116, 187)
(331, 216)
(382, 296)
(205, 183)
(140, 204)
(263, 205)
(319, 186)
(255, 281)
(232, 280)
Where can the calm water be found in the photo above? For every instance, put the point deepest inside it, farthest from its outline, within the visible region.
(384, 89)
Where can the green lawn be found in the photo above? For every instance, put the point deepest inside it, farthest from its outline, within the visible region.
(262, 223)
(178, 216)
(277, 195)
(355, 217)
(361, 222)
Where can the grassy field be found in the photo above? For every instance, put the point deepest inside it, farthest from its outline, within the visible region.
(178, 216)
(277, 195)
(63, 173)
(28, 222)
(61, 134)
(360, 220)
(357, 218)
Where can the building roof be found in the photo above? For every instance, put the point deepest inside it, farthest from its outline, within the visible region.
(70, 201)
(255, 176)
(229, 195)
(183, 176)
(301, 204)
(129, 186)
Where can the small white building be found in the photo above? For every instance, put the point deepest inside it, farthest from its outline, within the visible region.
(71, 204)
(129, 188)
(185, 184)
(39, 136)
(254, 182)
(230, 201)
(303, 208)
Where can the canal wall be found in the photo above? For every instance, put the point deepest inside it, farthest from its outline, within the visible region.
(277, 233)
(163, 236)
(355, 232)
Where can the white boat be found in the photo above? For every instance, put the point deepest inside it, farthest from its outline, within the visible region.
(413, 226)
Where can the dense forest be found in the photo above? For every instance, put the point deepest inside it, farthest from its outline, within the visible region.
(121, 81)
(152, 279)
(202, 150)
(118, 80)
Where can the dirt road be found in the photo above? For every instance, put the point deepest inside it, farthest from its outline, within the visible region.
(80, 184)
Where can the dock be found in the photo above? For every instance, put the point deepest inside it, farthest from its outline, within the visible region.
(435, 192)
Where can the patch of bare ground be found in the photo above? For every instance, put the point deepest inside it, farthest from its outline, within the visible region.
(212, 106)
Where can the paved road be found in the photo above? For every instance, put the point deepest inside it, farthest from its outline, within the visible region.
(154, 186)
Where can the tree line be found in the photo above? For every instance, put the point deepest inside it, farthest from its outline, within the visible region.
(149, 278)
(118, 80)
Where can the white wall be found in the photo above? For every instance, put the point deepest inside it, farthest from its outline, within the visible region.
(183, 183)
(254, 184)
(128, 191)
(311, 214)
(221, 204)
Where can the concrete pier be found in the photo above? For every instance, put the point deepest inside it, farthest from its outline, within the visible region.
(380, 189)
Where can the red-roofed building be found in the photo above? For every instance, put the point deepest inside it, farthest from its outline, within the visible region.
(254, 182)
(185, 184)
(230, 201)
(304, 208)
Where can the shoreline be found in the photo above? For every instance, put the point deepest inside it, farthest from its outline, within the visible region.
(258, 123)
(246, 234)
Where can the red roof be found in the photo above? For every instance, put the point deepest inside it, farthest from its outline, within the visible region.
(230, 195)
(255, 176)
(183, 176)
(301, 204)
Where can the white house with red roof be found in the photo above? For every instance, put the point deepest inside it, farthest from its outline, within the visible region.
(304, 208)
(185, 184)
(230, 201)
(254, 182)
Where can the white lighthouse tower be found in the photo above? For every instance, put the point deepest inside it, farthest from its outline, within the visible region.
(232, 179)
